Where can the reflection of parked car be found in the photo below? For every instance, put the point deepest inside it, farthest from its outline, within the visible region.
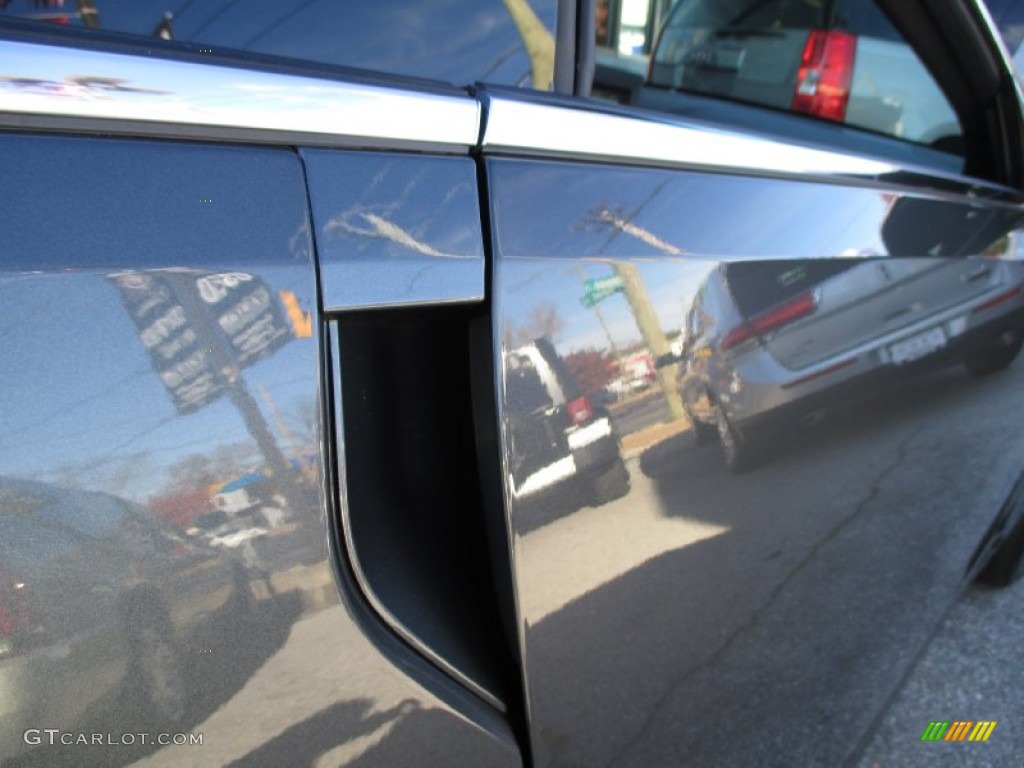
(558, 432)
(82, 618)
(767, 341)
(839, 60)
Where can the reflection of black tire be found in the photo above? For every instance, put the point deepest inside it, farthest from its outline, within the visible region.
(611, 484)
(703, 433)
(159, 669)
(1004, 568)
(997, 355)
(738, 452)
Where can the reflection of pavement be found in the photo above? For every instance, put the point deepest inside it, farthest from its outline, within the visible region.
(619, 535)
(636, 443)
(971, 671)
(638, 412)
(323, 662)
(711, 610)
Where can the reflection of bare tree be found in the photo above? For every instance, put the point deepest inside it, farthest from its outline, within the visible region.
(592, 368)
(544, 322)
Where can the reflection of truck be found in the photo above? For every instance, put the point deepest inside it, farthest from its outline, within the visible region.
(557, 432)
(239, 495)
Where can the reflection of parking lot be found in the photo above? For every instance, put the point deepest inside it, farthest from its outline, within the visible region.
(701, 589)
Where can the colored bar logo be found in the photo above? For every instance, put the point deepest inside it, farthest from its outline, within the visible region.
(958, 730)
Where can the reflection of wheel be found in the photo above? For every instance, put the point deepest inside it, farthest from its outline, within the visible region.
(699, 410)
(159, 668)
(997, 355)
(739, 454)
(611, 484)
(703, 432)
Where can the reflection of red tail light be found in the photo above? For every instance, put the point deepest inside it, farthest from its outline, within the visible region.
(579, 410)
(1001, 298)
(773, 319)
(826, 71)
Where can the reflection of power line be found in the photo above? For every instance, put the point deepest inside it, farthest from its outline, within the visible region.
(501, 60)
(184, 7)
(216, 15)
(276, 23)
(636, 292)
(66, 407)
(112, 456)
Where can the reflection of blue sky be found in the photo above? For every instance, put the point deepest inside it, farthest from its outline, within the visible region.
(544, 210)
(527, 283)
(394, 229)
(81, 397)
(454, 40)
(82, 401)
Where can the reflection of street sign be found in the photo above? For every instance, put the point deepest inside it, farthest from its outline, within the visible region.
(182, 317)
(599, 289)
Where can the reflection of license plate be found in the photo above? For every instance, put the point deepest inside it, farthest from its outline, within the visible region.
(917, 346)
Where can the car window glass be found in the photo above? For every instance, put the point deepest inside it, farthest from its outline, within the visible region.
(526, 393)
(458, 41)
(835, 61)
(760, 285)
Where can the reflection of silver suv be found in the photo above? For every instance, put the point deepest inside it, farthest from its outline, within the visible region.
(770, 342)
(557, 432)
(839, 60)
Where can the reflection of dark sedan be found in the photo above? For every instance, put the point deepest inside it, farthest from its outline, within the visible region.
(773, 340)
(559, 433)
(82, 618)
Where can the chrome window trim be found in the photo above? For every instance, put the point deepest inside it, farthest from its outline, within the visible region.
(522, 126)
(53, 87)
(514, 125)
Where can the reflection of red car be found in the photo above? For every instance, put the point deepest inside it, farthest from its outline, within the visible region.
(559, 433)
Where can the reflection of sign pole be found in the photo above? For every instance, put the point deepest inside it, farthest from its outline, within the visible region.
(600, 289)
(650, 329)
(600, 319)
(636, 293)
(224, 363)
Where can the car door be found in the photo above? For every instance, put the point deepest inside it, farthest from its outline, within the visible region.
(169, 340)
(715, 617)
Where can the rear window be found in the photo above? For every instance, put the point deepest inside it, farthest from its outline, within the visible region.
(757, 286)
(837, 61)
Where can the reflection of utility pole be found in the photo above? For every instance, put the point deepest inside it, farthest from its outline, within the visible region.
(539, 42)
(636, 295)
(650, 329)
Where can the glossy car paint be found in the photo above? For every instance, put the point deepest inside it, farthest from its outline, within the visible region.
(716, 619)
(276, 669)
(702, 618)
